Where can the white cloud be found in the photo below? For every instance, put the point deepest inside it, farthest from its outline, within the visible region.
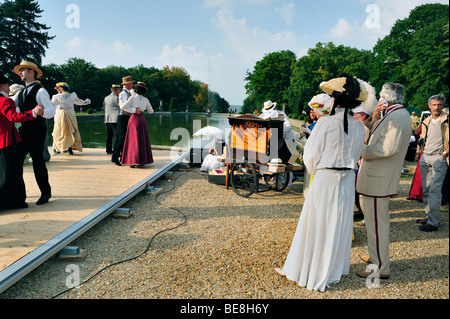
(252, 43)
(375, 22)
(195, 62)
(122, 48)
(74, 45)
(287, 12)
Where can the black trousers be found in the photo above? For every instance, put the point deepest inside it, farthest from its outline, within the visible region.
(34, 135)
(12, 186)
(111, 129)
(122, 125)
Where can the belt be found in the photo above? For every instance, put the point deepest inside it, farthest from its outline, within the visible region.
(340, 168)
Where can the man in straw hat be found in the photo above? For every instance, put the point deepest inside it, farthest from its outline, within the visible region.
(379, 176)
(34, 133)
(112, 109)
(122, 121)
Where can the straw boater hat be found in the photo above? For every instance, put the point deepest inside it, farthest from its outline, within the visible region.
(62, 84)
(28, 65)
(366, 96)
(116, 87)
(141, 84)
(337, 85)
(269, 105)
(127, 80)
(321, 103)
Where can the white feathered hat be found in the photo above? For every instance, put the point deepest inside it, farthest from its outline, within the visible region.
(371, 102)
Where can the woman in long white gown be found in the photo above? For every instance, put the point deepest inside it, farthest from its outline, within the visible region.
(321, 247)
(66, 136)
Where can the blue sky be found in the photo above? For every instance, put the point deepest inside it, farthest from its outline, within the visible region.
(216, 41)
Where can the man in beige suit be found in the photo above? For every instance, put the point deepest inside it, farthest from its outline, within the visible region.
(379, 175)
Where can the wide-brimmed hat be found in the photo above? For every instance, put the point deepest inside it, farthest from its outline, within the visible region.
(62, 84)
(116, 87)
(269, 105)
(28, 65)
(141, 84)
(321, 103)
(127, 80)
(338, 85)
(13, 89)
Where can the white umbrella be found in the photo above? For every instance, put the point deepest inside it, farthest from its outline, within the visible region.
(210, 131)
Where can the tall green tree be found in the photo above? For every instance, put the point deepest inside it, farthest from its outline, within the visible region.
(22, 37)
(412, 53)
(269, 80)
(322, 63)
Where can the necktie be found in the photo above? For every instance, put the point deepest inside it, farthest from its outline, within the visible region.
(26, 90)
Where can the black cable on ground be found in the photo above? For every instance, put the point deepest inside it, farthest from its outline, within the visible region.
(149, 244)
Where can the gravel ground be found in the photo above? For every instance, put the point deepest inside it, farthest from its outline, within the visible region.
(213, 244)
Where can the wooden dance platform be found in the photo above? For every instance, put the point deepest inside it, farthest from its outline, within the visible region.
(86, 187)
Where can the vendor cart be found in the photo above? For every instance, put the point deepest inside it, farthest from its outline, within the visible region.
(257, 151)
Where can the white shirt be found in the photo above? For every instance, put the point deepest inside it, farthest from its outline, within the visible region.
(66, 100)
(137, 102)
(330, 147)
(42, 98)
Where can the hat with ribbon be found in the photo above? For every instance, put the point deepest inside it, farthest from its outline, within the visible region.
(127, 80)
(141, 84)
(28, 65)
(269, 105)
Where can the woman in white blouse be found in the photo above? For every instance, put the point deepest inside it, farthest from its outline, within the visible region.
(137, 150)
(320, 250)
(66, 136)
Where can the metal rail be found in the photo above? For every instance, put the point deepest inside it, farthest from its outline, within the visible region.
(31, 261)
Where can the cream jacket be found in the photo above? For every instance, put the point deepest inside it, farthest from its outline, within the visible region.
(384, 155)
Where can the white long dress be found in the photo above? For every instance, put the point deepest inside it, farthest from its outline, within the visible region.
(65, 130)
(321, 247)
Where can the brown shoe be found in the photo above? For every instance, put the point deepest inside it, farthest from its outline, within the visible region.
(366, 259)
(365, 274)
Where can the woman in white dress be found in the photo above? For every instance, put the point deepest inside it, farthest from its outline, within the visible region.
(66, 136)
(320, 250)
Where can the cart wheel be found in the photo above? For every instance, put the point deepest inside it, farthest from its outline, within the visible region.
(244, 179)
(277, 182)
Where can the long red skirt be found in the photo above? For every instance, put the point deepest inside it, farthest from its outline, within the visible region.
(416, 191)
(137, 149)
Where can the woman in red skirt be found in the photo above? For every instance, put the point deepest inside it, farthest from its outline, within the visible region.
(137, 150)
(416, 191)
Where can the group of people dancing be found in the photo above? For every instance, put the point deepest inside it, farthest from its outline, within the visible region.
(30, 105)
(356, 132)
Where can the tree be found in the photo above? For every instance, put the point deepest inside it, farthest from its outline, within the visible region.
(83, 78)
(322, 63)
(409, 54)
(270, 78)
(177, 88)
(22, 37)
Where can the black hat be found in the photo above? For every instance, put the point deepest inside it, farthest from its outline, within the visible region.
(4, 80)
